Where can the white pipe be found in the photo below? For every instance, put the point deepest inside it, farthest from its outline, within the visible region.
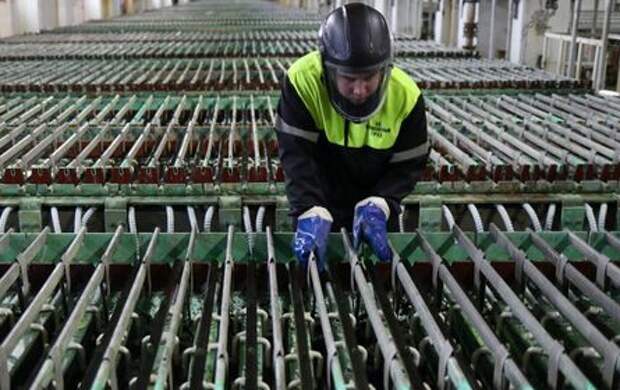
(133, 226)
(401, 219)
(590, 218)
(447, 214)
(602, 216)
(193, 220)
(604, 45)
(77, 219)
(473, 210)
(169, 219)
(550, 216)
(87, 215)
(55, 220)
(4, 218)
(208, 219)
(247, 223)
(260, 219)
(505, 217)
(533, 217)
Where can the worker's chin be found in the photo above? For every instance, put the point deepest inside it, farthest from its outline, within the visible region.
(358, 101)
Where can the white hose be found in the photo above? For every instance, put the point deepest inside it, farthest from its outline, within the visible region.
(473, 210)
(133, 226)
(550, 216)
(602, 216)
(532, 216)
(77, 219)
(55, 220)
(591, 219)
(260, 219)
(193, 220)
(401, 219)
(447, 214)
(89, 213)
(169, 219)
(247, 223)
(208, 219)
(4, 218)
(503, 213)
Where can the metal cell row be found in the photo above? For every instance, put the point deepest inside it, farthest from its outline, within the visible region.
(144, 75)
(228, 309)
(258, 22)
(164, 36)
(437, 73)
(127, 139)
(529, 136)
(247, 74)
(249, 48)
(499, 137)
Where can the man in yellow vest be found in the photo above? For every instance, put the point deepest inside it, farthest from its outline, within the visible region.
(352, 134)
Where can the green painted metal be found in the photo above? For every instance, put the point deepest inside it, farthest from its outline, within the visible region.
(230, 210)
(210, 247)
(30, 219)
(115, 213)
(450, 192)
(431, 215)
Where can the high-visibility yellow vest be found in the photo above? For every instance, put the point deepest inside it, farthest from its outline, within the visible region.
(378, 132)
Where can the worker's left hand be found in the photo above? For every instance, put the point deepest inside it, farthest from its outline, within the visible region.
(370, 225)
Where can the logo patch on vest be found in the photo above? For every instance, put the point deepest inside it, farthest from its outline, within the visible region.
(378, 130)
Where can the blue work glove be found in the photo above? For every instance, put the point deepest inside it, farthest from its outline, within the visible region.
(313, 228)
(370, 226)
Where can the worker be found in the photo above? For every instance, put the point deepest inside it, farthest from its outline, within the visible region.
(352, 135)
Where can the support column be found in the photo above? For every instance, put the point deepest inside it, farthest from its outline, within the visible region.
(573, 39)
(604, 45)
(509, 30)
(393, 15)
(93, 9)
(66, 12)
(594, 18)
(492, 28)
(6, 19)
(48, 14)
(26, 16)
(469, 25)
(455, 22)
(417, 18)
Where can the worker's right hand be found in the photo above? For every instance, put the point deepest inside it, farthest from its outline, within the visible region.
(313, 228)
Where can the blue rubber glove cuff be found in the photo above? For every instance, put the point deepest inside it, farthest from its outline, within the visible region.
(313, 229)
(370, 226)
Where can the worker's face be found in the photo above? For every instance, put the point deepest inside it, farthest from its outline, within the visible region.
(357, 87)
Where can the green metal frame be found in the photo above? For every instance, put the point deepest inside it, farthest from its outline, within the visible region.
(211, 247)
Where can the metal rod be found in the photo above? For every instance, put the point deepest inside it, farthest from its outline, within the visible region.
(107, 366)
(609, 351)
(276, 316)
(385, 342)
(564, 269)
(221, 367)
(559, 361)
(502, 359)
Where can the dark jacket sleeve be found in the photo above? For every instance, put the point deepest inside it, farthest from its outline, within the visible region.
(408, 162)
(297, 147)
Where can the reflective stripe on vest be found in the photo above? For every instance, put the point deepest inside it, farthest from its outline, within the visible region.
(379, 132)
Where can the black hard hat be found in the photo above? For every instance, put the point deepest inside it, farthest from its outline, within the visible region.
(355, 38)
